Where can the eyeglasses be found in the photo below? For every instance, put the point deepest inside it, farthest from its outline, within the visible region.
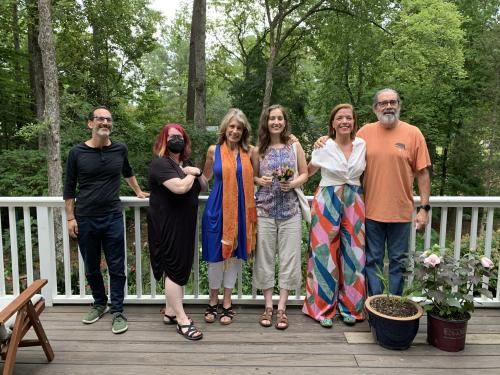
(385, 103)
(102, 119)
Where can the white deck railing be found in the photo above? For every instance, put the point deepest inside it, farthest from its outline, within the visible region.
(28, 248)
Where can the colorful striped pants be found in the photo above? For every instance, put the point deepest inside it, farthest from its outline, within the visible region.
(336, 256)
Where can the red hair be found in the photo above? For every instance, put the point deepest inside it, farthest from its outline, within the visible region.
(160, 147)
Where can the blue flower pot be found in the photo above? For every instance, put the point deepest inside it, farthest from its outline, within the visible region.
(392, 332)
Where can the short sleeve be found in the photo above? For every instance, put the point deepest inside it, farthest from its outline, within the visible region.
(162, 170)
(422, 158)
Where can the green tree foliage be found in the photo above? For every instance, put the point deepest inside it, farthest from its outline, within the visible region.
(15, 107)
(23, 173)
(442, 55)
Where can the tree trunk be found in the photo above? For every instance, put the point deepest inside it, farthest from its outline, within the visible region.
(36, 69)
(17, 69)
(192, 67)
(199, 14)
(269, 77)
(51, 112)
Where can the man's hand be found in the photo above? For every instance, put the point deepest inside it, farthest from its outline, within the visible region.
(321, 142)
(142, 194)
(73, 228)
(421, 220)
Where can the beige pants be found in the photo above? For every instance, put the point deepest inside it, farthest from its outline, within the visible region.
(284, 238)
(217, 274)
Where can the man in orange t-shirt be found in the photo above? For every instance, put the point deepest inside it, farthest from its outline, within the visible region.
(396, 153)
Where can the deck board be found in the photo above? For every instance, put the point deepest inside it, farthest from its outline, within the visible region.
(246, 348)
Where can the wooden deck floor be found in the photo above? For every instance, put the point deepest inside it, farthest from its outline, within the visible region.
(246, 348)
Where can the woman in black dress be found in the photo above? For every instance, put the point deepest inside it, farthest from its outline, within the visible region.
(173, 206)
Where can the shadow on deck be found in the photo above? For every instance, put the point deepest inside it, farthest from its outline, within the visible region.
(244, 347)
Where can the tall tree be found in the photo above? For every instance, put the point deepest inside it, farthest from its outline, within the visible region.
(277, 15)
(51, 89)
(196, 96)
(35, 68)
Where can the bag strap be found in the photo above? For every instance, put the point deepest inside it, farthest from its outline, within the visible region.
(296, 171)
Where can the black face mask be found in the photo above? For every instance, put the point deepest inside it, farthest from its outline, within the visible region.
(175, 144)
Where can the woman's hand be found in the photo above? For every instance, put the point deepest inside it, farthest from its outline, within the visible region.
(286, 186)
(192, 171)
(264, 180)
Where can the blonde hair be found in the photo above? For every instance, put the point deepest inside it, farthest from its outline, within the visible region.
(239, 116)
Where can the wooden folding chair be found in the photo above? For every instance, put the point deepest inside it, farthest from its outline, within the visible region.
(16, 318)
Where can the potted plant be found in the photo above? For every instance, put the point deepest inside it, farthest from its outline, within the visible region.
(449, 286)
(394, 320)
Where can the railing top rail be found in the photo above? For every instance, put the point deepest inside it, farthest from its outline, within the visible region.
(439, 201)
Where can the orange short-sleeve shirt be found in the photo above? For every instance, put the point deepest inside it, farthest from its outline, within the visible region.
(393, 156)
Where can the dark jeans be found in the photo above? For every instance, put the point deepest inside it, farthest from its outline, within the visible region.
(397, 236)
(104, 232)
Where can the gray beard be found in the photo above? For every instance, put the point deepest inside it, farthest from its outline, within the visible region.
(389, 120)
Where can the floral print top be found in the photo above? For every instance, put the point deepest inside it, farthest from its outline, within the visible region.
(270, 200)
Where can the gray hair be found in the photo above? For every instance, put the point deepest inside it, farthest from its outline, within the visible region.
(387, 89)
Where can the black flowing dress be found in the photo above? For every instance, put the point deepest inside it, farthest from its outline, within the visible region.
(171, 222)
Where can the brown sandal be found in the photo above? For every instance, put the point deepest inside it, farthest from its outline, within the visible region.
(211, 313)
(281, 320)
(266, 318)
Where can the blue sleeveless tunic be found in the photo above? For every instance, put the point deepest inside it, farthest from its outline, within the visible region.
(211, 224)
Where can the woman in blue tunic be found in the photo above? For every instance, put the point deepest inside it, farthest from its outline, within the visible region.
(228, 224)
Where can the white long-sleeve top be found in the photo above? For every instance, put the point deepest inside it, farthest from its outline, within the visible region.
(335, 168)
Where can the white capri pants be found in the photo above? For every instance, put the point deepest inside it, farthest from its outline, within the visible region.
(283, 237)
(217, 274)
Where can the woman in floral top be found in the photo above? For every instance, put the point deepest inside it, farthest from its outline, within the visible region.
(278, 212)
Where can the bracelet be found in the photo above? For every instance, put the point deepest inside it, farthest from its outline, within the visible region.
(200, 174)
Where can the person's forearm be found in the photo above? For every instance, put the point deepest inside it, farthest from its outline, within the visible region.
(203, 183)
(424, 186)
(301, 179)
(134, 185)
(311, 169)
(180, 186)
(69, 205)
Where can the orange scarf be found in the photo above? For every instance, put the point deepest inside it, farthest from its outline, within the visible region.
(230, 201)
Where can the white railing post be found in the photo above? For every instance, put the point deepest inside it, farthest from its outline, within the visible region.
(46, 252)
(46, 210)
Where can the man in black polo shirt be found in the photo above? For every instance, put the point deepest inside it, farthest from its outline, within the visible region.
(96, 219)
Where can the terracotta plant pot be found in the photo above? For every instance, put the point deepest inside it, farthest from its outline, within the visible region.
(392, 332)
(445, 334)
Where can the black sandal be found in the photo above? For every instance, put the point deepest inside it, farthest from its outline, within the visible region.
(229, 313)
(190, 331)
(211, 313)
(169, 319)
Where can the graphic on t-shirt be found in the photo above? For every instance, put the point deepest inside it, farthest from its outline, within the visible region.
(401, 146)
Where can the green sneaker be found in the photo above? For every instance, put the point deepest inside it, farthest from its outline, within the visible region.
(95, 313)
(119, 324)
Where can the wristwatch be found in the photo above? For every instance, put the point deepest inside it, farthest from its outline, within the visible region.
(426, 207)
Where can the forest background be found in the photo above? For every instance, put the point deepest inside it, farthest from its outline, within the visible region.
(442, 56)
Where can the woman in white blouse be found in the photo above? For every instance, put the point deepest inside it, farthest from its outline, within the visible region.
(336, 257)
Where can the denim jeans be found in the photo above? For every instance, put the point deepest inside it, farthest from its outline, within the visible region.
(397, 236)
(104, 232)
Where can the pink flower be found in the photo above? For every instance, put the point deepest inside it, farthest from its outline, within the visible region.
(432, 260)
(487, 262)
(425, 254)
